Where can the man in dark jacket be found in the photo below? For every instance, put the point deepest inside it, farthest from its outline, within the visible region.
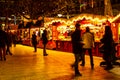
(3, 40)
(34, 41)
(44, 41)
(77, 47)
(9, 42)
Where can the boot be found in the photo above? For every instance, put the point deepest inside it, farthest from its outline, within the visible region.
(77, 73)
(92, 66)
(45, 54)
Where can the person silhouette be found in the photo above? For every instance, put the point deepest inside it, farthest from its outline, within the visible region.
(9, 42)
(44, 41)
(3, 41)
(88, 40)
(108, 42)
(34, 41)
(77, 47)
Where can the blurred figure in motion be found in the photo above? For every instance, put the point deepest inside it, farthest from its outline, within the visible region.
(44, 41)
(34, 41)
(88, 40)
(9, 42)
(108, 42)
(77, 47)
(3, 39)
(14, 37)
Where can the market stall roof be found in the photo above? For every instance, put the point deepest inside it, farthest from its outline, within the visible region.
(97, 18)
(116, 19)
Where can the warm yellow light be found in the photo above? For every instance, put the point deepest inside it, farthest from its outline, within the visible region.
(115, 18)
(94, 18)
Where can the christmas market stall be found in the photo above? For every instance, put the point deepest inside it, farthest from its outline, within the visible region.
(60, 34)
(24, 33)
(26, 30)
(62, 29)
(115, 22)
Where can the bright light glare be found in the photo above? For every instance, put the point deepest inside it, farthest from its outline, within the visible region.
(59, 15)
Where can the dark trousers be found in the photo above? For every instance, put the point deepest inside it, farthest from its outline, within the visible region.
(108, 58)
(44, 49)
(90, 54)
(2, 53)
(35, 47)
(14, 43)
(77, 59)
(8, 50)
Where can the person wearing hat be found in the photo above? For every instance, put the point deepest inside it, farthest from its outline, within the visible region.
(77, 47)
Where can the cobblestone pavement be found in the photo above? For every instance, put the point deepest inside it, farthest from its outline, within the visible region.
(25, 64)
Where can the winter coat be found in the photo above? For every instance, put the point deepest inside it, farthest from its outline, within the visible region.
(88, 40)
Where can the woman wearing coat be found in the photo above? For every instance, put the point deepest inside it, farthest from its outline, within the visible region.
(44, 41)
(107, 40)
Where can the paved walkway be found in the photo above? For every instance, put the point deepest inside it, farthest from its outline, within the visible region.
(24, 64)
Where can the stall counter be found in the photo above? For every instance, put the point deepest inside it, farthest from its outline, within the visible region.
(50, 45)
(67, 47)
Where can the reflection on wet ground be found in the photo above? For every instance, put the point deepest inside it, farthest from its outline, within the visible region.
(24, 64)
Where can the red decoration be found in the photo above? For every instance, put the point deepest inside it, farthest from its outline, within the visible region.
(56, 23)
(108, 23)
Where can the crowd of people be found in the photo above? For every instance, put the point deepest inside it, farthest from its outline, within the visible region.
(44, 41)
(85, 42)
(81, 43)
(7, 38)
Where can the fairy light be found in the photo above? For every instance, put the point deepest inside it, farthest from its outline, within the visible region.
(94, 18)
